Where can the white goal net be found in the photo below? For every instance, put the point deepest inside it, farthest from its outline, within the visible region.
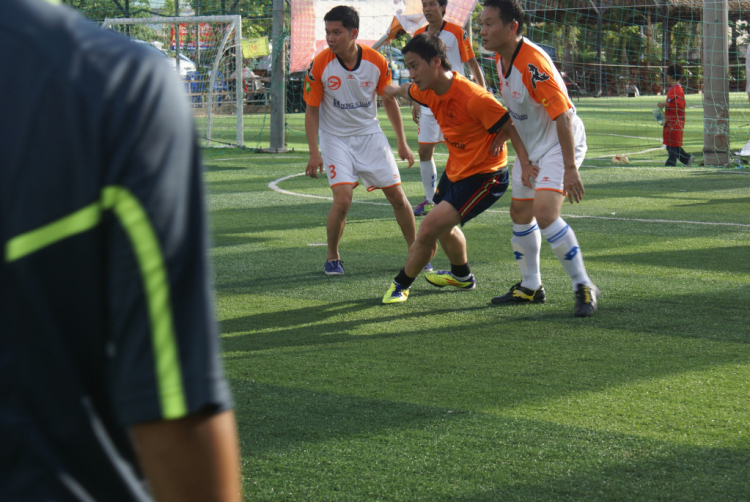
(206, 52)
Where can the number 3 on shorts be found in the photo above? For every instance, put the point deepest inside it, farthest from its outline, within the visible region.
(331, 171)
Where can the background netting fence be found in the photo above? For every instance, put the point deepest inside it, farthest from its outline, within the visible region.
(611, 52)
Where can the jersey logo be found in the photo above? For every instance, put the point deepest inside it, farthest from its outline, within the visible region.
(307, 87)
(309, 71)
(518, 255)
(516, 95)
(366, 85)
(536, 75)
(334, 83)
(451, 113)
(350, 77)
(466, 36)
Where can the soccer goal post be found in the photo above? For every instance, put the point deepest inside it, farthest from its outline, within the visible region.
(207, 53)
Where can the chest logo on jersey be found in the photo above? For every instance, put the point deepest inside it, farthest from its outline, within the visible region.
(350, 77)
(536, 75)
(366, 85)
(516, 95)
(334, 83)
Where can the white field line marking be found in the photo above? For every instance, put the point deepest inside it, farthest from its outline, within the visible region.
(274, 185)
(619, 135)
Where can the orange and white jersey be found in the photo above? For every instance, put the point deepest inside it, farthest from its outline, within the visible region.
(457, 47)
(535, 94)
(469, 117)
(347, 98)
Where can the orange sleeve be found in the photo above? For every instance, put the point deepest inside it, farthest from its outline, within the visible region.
(464, 42)
(379, 61)
(488, 110)
(312, 91)
(539, 79)
(418, 96)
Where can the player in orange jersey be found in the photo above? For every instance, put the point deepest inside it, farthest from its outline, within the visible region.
(476, 174)
(341, 89)
(554, 136)
(459, 51)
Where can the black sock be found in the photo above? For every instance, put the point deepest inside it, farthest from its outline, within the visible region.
(404, 280)
(461, 271)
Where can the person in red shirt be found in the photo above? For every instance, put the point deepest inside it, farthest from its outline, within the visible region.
(674, 117)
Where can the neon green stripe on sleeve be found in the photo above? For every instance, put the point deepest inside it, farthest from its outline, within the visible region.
(75, 223)
(134, 220)
(137, 225)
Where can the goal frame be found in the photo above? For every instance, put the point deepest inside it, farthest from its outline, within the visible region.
(235, 26)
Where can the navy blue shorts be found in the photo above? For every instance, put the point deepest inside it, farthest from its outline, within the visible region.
(473, 195)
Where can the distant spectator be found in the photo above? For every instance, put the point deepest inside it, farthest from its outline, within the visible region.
(674, 117)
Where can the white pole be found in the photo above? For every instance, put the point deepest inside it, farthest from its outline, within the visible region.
(238, 73)
(715, 83)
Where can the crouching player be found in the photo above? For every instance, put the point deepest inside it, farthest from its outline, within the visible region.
(476, 174)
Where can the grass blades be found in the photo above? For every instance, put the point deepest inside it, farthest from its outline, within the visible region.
(448, 398)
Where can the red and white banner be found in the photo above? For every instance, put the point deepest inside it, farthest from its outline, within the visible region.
(375, 19)
(205, 36)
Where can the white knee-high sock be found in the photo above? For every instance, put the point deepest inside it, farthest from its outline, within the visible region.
(526, 242)
(429, 178)
(565, 245)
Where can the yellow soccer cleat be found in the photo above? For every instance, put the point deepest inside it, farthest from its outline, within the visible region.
(396, 294)
(444, 278)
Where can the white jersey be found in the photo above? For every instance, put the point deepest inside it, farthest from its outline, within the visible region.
(457, 48)
(347, 98)
(535, 94)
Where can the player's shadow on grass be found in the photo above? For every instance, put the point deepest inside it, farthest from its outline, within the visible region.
(664, 187)
(471, 456)
(310, 326)
(720, 259)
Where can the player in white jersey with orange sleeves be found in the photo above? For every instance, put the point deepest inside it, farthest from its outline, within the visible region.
(459, 51)
(341, 89)
(554, 137)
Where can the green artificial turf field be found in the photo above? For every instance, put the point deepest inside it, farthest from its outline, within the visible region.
(446, 397)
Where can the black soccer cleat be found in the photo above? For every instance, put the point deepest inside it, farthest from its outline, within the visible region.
(586, 297)
(518, 295)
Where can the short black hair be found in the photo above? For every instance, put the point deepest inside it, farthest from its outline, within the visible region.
(509, 11)
(427, 47)
(443, 3)
(347, 15)
(675, 71)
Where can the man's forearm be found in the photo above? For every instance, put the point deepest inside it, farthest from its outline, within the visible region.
(393, 112)
(312, 123)
(564, 124)
(477, 71)
(192, 459)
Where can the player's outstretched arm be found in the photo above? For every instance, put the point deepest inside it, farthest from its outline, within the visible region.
(312, 123)
(477, 71)
(394, 116)
(191, 459)
(395, 91)
(572, 184)
(528, 170)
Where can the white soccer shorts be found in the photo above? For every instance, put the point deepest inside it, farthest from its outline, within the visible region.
(428, 131)
(551, 167)
(368, 157)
